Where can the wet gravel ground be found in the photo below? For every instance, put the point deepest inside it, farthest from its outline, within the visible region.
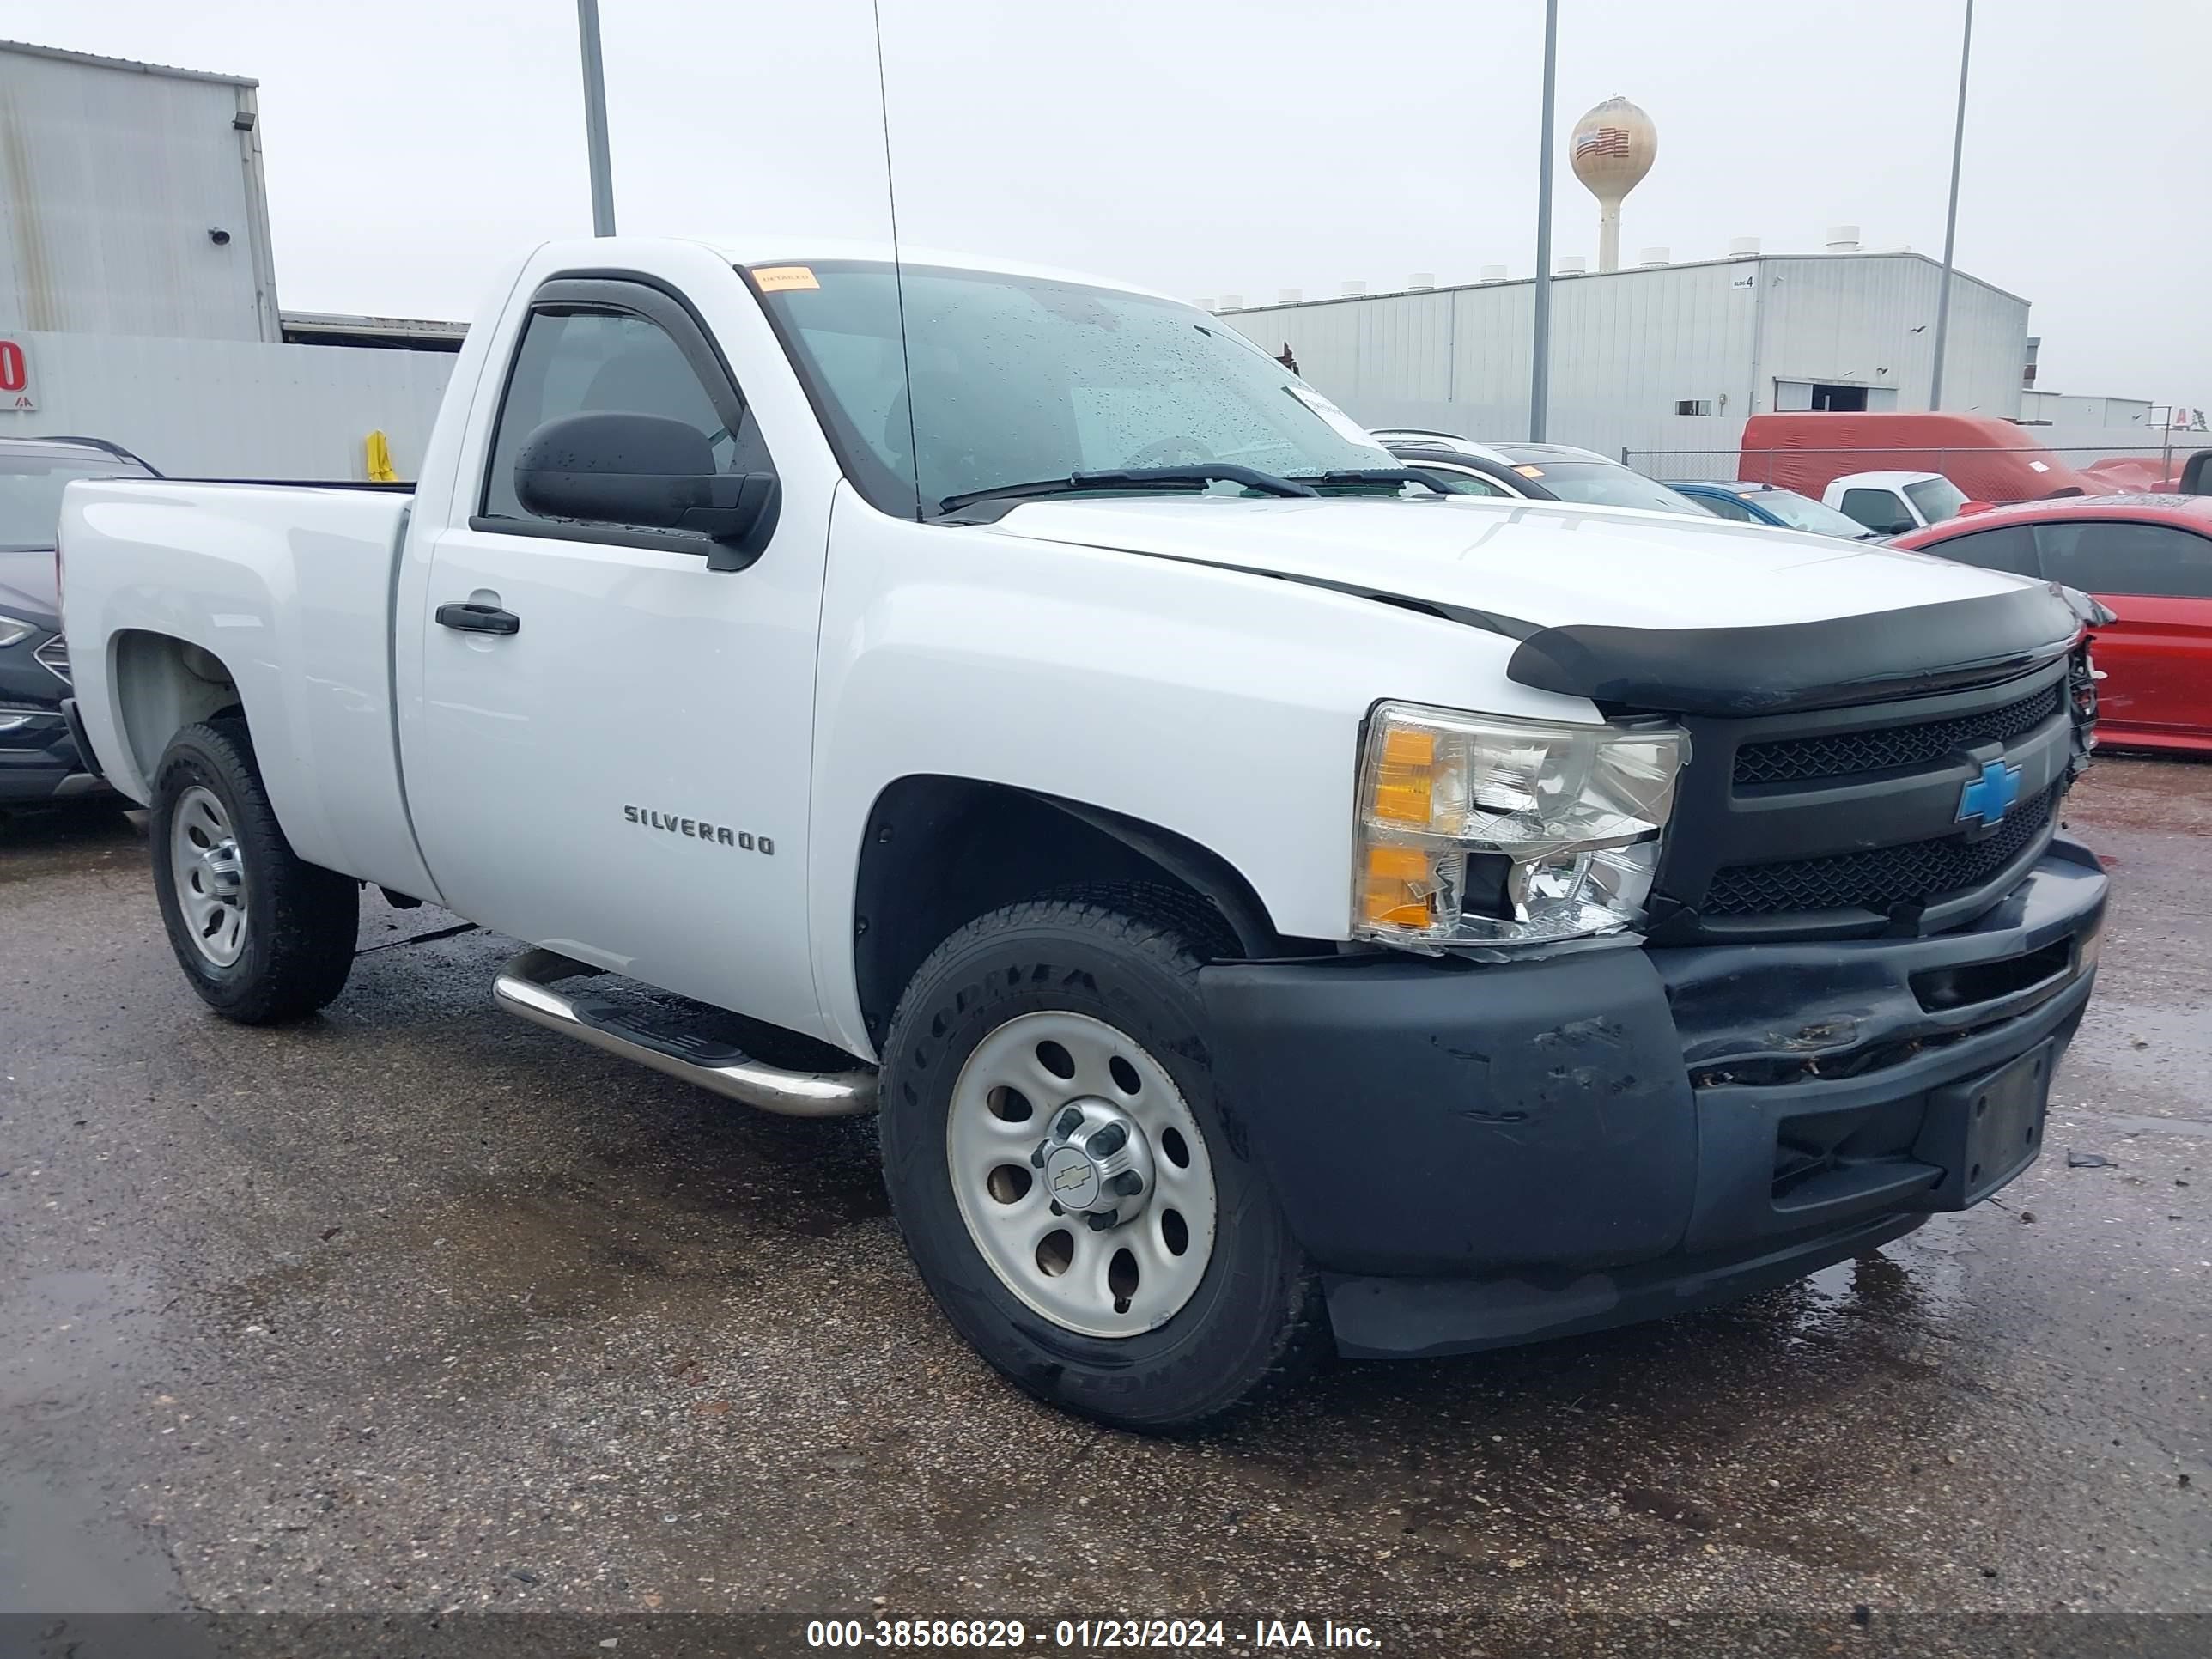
(417, 1307)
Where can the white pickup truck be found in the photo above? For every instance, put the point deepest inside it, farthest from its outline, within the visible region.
(1263, 900)
(1891, 503)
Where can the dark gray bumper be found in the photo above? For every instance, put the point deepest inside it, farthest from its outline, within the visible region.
(1530, 1148)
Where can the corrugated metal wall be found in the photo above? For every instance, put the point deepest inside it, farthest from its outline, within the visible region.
(1871, 319)
(235, 409)
(111, 178)
(2081, 410)
(1628, 347)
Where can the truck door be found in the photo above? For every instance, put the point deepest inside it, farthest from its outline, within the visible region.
(611, 754)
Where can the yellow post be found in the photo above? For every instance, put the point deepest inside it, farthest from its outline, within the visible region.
(380, 459)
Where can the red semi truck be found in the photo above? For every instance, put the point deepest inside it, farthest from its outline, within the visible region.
(1989, 459)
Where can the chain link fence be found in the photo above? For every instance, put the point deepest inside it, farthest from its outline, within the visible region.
(2155, 466)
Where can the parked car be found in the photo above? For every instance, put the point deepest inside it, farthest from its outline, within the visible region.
(1757, 504)
(1458, 466)
(2149, 559)
(1584, 476)
(1536, 472)
(39, 759)
(1426, 437)
(1177, 857)
(1891, 503)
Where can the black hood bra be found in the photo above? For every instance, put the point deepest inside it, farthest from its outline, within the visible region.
(1744, 671)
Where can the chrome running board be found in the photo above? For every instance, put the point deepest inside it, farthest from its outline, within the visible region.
(523, 987)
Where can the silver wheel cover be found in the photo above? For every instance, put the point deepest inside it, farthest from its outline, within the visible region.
(1120, 1279)
(210, 876)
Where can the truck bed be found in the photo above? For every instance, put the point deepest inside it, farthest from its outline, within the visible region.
(287, 588)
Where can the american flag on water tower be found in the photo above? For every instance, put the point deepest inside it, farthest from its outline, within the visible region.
(1602, 141)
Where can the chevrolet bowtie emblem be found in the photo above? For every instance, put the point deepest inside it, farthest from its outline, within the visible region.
(1991, 796)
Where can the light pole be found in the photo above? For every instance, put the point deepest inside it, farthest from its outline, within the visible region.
(595, 119)
(1540, 373)
(1951, 224)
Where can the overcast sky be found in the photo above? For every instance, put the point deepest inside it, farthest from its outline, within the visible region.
(1210, 147)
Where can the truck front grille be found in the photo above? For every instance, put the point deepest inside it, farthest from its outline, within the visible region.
(1838, 822)
(1918, 872)
(1846, 754)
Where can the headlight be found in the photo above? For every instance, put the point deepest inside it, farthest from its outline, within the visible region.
(13, 629)
(1482, 831)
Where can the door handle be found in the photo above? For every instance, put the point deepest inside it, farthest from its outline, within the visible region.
(471, 618)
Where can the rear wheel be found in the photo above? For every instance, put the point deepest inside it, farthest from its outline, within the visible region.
(262, 935)
(1064, 1177)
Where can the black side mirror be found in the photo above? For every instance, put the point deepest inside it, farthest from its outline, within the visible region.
(2197, 474)
(617, 467)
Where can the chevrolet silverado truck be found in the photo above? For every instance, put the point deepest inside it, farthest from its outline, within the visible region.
(1262, 900)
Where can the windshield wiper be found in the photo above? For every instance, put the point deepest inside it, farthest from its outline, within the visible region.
(1349, 477)
(1137, 477)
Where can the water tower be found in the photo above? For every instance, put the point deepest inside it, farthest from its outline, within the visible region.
(1611, 148)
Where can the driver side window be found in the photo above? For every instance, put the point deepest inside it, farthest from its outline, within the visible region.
(574, 361)
(1877, 509)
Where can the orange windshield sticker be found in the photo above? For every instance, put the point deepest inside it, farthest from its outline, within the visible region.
(778, 279)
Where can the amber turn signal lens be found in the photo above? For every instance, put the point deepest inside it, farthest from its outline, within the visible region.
(1404, 778)
(1399, 881)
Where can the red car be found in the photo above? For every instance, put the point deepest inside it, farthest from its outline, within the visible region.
(2147, 557)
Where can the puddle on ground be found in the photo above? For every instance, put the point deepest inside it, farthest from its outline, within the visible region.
(1913, 1279)
(67, 1331)
(64, 1549)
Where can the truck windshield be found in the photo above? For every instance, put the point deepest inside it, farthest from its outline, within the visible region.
(1938, 499)
(1005, 380)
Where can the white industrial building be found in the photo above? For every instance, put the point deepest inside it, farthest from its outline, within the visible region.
(1660, 356)
(138, 285)
(2056, 408)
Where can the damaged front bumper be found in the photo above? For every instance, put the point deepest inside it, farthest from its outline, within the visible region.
(1479, 1155)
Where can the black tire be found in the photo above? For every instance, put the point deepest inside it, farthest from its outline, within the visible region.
(302, 921)
(1254, 1319)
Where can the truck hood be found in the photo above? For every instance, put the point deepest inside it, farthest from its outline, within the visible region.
(1548, 564)
(1652, 609)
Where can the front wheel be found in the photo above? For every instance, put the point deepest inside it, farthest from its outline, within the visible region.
(1063, 1174)
(262, 935)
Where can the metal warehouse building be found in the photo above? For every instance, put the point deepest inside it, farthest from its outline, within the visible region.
(133, 200)
(138, 285)
(1660, 356)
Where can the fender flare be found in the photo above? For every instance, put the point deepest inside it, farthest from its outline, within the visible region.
(1203, 870)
